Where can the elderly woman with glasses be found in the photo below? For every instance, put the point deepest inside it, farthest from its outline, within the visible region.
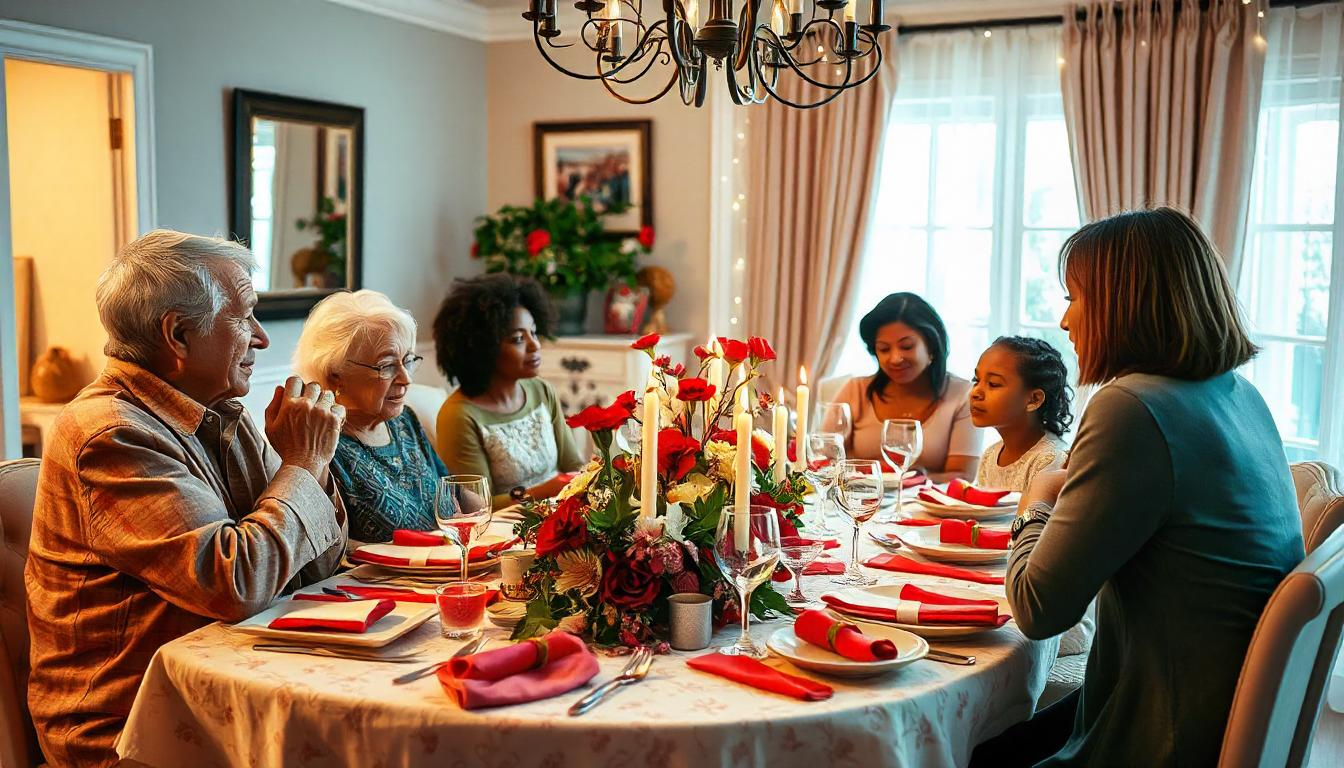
(359, 345)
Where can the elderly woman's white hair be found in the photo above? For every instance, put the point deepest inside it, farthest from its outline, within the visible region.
(160, 272)
(341, 321)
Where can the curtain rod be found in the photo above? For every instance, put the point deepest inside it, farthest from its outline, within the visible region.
(1028, 21)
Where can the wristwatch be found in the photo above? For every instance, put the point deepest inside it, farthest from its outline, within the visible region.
(1032, 515)
(518, 493)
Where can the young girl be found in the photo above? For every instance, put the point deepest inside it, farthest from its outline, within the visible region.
(1021, 390)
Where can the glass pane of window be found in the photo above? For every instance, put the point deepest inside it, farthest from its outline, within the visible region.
(1286, 282)
(965, 343)
(1290, 377)
(1042, 295)
(965, 177)
(897, 261)
(1048, 195)
(1295, 169)
(906, 158)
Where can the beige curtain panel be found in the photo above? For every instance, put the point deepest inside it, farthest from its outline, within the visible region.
(1162, 102)
(813, 184)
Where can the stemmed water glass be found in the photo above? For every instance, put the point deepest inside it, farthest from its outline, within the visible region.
(859, 491)
(902, 443)
(835, 417)
(745, 561)
(462, 509)
(825, 451)
(796, 555)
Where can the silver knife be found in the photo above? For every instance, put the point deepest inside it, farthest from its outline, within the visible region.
(947, 657)
(317, 650)
(466, 650)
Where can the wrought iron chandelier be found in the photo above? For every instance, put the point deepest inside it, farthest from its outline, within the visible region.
(833, 54)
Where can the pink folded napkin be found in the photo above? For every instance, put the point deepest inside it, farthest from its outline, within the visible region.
(751, 672)
(338, 615)
(395, 594)
(920, 606)
(889, 561)
(985, 497)
(820, 629)
(914, 480)
(366, 555)
(969, 533)
(527, 671)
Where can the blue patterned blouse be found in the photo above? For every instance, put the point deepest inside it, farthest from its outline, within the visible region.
(389, 486)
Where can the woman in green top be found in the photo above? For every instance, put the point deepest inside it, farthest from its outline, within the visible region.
(502, 422)
(1176, 510)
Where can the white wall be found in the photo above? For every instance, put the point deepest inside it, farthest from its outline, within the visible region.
(421, 90)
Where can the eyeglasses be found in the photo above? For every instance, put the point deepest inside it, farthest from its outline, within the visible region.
(387, 370)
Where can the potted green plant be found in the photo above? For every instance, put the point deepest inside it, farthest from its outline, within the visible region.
(564, 246)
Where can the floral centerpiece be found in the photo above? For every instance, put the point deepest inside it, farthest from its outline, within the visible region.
(604, 571)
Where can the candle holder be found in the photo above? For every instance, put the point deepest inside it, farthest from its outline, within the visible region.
(876, 19)
(849, 48)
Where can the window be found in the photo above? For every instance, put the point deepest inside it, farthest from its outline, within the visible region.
(263, 192)
(1285, 280)
(976, 192)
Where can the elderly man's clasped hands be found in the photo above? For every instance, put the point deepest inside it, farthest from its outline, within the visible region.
(303, 425)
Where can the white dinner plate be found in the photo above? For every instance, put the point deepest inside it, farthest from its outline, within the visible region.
(963, 511)
(506, 614)
(909, 648)
(446, 552)
(402, 619)
(891, 593)
(925, 541)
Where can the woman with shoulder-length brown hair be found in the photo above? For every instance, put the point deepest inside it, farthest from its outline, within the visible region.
(1176, 511)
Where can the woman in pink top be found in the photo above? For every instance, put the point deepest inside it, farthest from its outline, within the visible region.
(909, 340)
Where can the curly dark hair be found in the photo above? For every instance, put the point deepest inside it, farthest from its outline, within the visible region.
(474, 320)
(917, 313)
(1042, 367)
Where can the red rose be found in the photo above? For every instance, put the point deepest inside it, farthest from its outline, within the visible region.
(694, 390)
(676, 454)
(475, 250)
(646, 237)
(627, 584)
(760, 349)
(723, 435)
(786, 528)
(760, 452)
(566, 529)
(734, 351)
(595, 418)
(703, 352)
(625, 400)
(662, 361)
(621, 463)
(646, 342)
(536, 240)
(686, 581)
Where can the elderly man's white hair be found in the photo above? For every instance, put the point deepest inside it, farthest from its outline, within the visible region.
(341, 321)
(160, 272)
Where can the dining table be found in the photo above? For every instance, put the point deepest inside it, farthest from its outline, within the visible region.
(209, 699)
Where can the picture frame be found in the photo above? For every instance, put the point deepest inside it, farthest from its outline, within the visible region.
(610, 161)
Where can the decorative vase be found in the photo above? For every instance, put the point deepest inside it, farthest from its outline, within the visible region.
(55, 377)
(571, 311)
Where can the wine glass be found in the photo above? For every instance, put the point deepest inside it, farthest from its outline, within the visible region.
(462, 509)
(902, 443)
(796, 555)
(746, 553)
(835, 417)
(825, 451)
(859, 491)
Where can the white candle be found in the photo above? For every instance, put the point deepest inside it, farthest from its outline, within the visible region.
(648, 463)
(804, 398)
(742, 481)
(777, 18)
(850, 8)
(781, 415)
(714, 374)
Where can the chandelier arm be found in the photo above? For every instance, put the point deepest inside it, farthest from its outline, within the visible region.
(612, 90)
(788, 103)
(653, 57)
(746, 31)
(750, 93)
(558, 66)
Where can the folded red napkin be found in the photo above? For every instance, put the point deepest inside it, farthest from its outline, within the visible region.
(528, 671)
(822, 566)
(818, 628)
(918, 478)
(969, 533)
(364, 555)
(337, 616)
(912, 609)
(405, 538)
(802, 541)
(889, 561)
(751, 672)
(915, 521)
(383, 593)
(985, 497)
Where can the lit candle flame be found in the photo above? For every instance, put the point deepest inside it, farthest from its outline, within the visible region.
(614, 9)
(802, 374)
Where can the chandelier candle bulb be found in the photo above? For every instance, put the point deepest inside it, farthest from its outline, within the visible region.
(777, 18)
(851, 8)
(614, 29)
(648, 462)
(693, 13)
(781, 436)
(742, 480)
(803, 399)
(876, 20)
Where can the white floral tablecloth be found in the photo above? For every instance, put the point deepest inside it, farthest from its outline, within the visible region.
(208, 699)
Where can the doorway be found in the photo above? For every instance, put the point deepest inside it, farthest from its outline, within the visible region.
(76, 184)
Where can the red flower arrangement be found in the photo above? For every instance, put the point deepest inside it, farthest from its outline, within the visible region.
(537, 239)
(646, 237)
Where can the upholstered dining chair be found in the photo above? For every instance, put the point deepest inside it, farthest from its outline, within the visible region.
(1288, 664)
(424, 401)
(1320, 499)
(18, 488)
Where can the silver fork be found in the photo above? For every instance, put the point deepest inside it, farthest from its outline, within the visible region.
(634, 671)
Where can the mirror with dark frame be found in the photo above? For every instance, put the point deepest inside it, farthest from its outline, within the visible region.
(297, 201)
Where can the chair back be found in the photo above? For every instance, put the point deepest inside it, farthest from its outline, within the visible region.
(1320, 499)
(1288, 664)
(425, 401)
(18, 490)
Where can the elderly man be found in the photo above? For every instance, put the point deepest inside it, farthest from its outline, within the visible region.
(160, 507)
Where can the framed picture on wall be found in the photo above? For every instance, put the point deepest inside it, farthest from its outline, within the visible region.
(607, 161)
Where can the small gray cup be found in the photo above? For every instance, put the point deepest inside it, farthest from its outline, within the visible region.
(690, 614)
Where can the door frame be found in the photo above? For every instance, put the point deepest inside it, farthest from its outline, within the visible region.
(52, 45)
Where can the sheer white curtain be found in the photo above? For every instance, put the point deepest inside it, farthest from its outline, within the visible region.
(975, 190)
(1292, 283)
